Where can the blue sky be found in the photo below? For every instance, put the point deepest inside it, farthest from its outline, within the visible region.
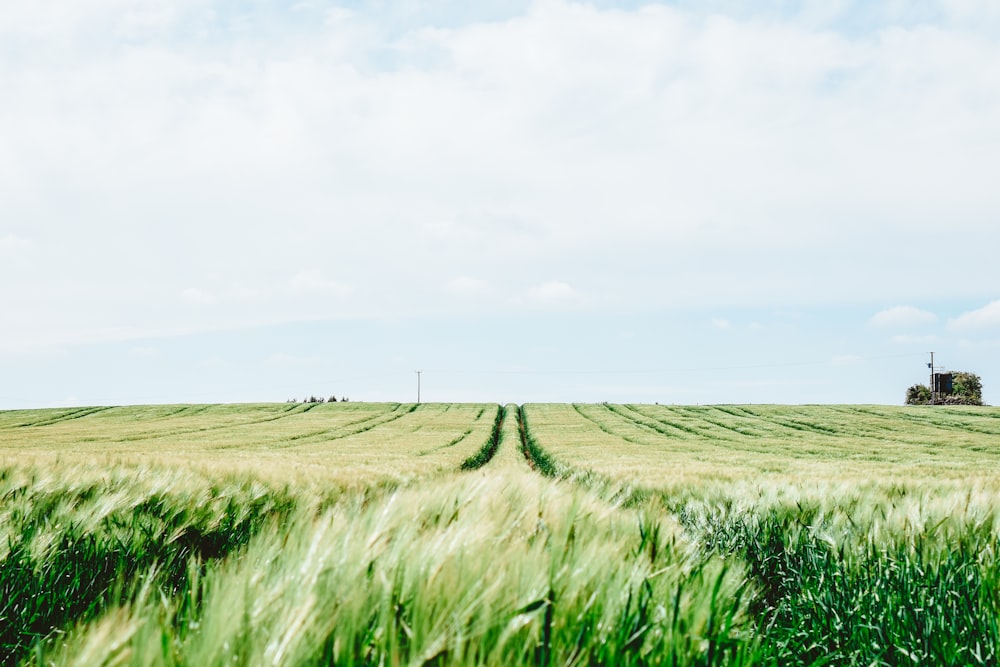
(686, 202)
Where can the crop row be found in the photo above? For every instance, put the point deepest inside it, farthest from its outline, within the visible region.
(335, 445)
(852, 565)
(475, 534)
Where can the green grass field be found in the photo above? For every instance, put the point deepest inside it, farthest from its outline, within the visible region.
(461, 534)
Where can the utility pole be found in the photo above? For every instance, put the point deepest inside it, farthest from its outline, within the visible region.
(933, 392)
(418, 386)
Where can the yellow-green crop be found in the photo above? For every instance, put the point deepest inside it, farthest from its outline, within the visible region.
(332, 534)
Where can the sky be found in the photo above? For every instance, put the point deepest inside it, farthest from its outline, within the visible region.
(675, 202)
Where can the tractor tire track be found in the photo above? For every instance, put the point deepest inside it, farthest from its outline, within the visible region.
(947, 425)
(794, 425)
(456, 440)
(606, 429)
(538, 459)
(638, 417)
(743, 432)
(335, 433)
(296, 409)
(707, 437)
(78, 413)
(489, 448)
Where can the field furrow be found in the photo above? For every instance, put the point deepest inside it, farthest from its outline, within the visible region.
(475, 534)
(658, 426)
(488, 450)
(59, 417)
(345, 443)
(722, 430)
(943, 419)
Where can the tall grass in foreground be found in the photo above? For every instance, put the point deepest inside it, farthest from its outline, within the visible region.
(482, 569)
(851, 571)
(867, 578)
(658, 555)
(73, 543)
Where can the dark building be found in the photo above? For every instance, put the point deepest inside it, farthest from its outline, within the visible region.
(941, 384)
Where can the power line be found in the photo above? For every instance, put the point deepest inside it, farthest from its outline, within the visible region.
(653, 371)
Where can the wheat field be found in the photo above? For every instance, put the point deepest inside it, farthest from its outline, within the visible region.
(478, 534)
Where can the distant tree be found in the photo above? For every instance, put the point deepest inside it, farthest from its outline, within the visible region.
(966, 389)
(918, 394)
(332, 399)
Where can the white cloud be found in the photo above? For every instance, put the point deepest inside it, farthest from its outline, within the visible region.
(908, 339)
(197, 296)
(314, 281)
(720, 323)
(652, 157)
(467, 286)
(902, 317)
(143, 351)
(987, 317)
(551, 292)
(12, 244)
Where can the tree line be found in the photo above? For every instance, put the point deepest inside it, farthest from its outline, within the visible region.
(319, 399)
